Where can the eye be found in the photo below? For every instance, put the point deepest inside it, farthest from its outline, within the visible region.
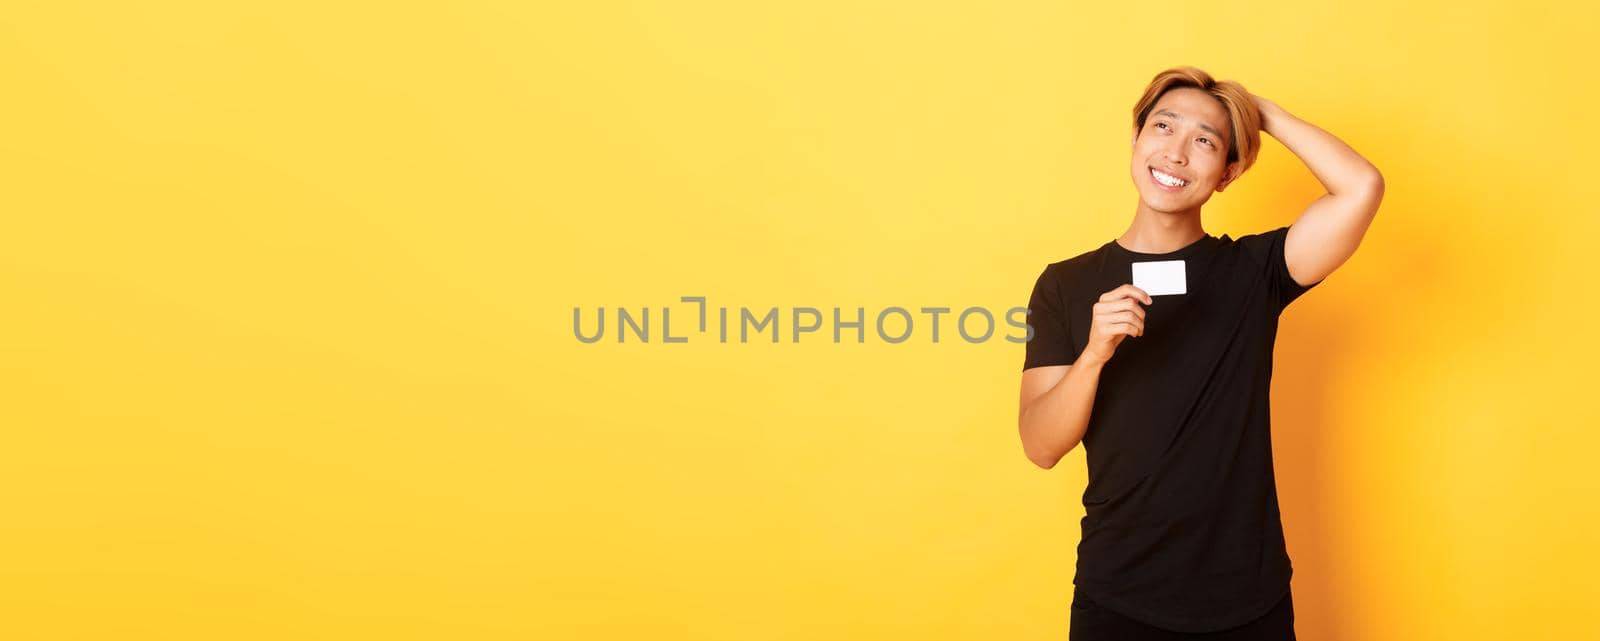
(1161, 124)
(1207, 141)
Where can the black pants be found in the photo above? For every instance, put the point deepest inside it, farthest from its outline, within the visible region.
(1090, 622)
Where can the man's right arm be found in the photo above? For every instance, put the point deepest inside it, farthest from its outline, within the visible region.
(1053, 413)
(1054, 409)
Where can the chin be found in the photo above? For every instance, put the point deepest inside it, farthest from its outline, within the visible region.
(1159, 202)
(1163, 198)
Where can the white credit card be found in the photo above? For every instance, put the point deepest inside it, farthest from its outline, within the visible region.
(1160, 277)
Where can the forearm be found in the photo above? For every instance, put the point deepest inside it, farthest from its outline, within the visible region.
(1340, 169)
(1055, 422)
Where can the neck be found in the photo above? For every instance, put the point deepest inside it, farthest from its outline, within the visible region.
(1159, 232)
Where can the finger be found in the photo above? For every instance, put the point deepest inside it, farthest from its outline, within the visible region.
(1130, 318)
(1136, 321)
(1131, 314)
(1120, 292)
(1121, 327)
(1142, 294)
(1121, 304)
(1131, 305)
(1127, 290)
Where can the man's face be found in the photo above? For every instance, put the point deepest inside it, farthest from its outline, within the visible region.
(1187, 136)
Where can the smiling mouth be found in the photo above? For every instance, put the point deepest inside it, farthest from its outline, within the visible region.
(1167, 181)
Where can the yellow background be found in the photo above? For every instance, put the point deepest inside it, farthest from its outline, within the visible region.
(288, 292)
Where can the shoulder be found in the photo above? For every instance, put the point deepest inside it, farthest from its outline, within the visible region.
(1262, 237)
(1065, 269)
(1259, 247)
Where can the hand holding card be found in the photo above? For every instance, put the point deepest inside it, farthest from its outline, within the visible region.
(1117, 315)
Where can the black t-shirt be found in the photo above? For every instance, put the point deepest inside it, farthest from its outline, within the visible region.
(1181, 527)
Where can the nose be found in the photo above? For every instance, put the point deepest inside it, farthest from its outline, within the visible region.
(1175, 155)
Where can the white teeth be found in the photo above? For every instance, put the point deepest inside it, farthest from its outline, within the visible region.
(1168, 180)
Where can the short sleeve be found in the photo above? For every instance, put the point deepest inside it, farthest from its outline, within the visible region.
(1267, 249)
(1051, 343)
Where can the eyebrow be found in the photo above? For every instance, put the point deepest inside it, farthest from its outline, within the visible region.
(1202, 125)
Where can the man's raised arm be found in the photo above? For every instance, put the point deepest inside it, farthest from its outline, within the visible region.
(1327, 233)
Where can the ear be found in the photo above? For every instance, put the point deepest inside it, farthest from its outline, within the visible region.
(1229, 175)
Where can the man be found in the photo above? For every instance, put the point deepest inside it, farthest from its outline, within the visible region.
(1169, 391)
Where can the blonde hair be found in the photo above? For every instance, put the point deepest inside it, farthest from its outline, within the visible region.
(1244, 118)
